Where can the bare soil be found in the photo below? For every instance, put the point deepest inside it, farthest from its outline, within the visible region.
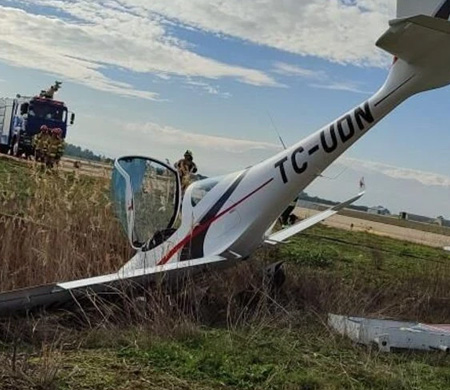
(381, 229)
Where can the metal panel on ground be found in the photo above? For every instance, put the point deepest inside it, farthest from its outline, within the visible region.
(388, 334)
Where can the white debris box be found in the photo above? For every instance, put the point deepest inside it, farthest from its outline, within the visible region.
(388, 334)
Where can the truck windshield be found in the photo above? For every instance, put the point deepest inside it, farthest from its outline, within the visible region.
(47, 111)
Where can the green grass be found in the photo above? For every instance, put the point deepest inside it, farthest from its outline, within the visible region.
(343, 251)
(303, 357)
(359, 273)
(300, 358)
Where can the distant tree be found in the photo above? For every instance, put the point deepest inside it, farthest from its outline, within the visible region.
(85, 154)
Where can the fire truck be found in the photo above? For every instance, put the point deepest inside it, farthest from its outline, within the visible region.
(21, 119)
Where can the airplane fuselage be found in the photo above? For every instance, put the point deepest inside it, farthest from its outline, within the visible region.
(234, 216)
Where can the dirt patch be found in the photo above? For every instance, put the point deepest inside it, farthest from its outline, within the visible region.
(381, 229)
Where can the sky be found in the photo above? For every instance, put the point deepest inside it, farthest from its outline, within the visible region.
(222, 77)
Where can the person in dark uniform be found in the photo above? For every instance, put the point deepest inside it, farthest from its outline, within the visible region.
(287, 218)
(185, 167)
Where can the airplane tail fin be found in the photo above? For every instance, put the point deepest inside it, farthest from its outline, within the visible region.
(419, 40)
(435, 8)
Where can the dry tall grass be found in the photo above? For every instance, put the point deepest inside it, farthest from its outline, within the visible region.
(57, 227)
(62, 228)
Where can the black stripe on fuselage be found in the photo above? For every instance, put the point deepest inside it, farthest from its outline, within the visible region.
(194, 249)
(395, 90)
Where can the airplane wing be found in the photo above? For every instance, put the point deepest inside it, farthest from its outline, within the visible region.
(284, 234)
(59, 294)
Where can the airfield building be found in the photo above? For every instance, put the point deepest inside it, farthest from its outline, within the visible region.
(441, 221)
(379, 210)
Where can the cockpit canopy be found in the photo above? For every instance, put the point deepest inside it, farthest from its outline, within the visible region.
(146, 197)
(201, 188)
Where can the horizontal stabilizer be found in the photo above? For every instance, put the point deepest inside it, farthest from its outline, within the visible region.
(284, 234)
(59, 294)
(416, 38)
(423, 42)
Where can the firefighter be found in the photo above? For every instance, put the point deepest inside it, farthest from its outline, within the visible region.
(60, 144)
(185, 167)
(287, 218)
(46, 140)
(35, 143)
(39, 143)
(53, 148)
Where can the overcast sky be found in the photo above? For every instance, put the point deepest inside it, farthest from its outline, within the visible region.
(157, 77)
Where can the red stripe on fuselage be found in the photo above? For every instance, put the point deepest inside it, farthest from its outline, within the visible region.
(199, 229)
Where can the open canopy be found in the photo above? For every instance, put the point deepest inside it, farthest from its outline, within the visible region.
(146, 196)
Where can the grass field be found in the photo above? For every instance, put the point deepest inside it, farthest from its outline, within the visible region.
(227, 330)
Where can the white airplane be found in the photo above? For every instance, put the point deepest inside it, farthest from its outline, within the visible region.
(225, 219)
